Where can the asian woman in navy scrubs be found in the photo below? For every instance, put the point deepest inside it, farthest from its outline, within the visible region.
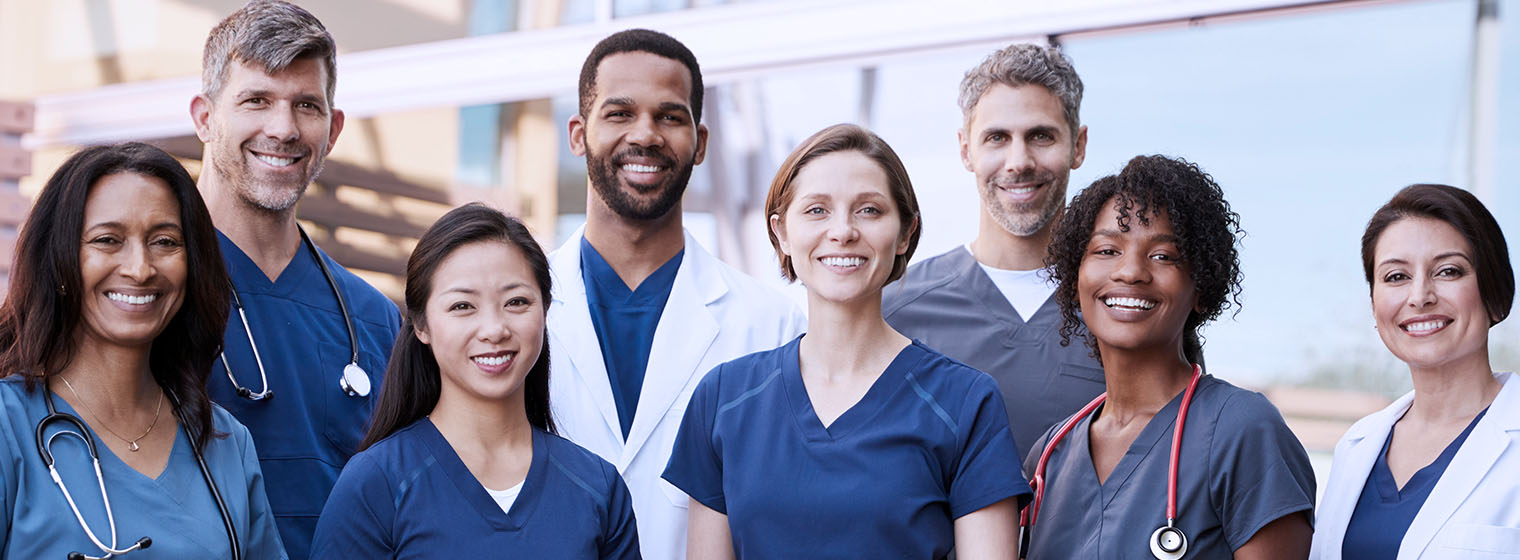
(851, 441)
(461, 460)
(1148, 257)
(1437, 473)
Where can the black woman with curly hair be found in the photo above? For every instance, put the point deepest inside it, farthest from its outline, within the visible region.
(1148, 256)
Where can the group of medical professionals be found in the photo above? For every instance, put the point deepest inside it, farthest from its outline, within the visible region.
(185, 374)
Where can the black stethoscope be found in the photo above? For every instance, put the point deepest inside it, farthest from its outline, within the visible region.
(354, 382)
(73, 425)
(1167, 542)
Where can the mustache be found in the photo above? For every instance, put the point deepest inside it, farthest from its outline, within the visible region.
(623, 156)
(1005, 180)
(266, 145)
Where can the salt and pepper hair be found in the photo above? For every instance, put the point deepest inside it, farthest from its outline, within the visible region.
(267, 33)
(1023, 64)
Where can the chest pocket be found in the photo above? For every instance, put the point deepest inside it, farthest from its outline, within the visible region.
(1466, 540)
(344, 418)
(1082, 372)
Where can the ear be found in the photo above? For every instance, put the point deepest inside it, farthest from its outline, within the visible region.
(902, 242)
(422, 334)
(577, 129)
(1079, 148)
(965, 142)
(200, 116)
(778, 228)
(701, 145)
(334, 129)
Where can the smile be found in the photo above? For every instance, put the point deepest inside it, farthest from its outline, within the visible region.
(134, 300)
(1425, 327)
(1128, 303)
(277, 161)
(636, 168)
(495, 360)
(843, 262)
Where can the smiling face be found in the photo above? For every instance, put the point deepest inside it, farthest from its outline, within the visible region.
(132, 261)
(639, 138)
(1133, 288)
(484, 322)
(268, 134)
(1425, 297)
(1019, 145)
(841, 229)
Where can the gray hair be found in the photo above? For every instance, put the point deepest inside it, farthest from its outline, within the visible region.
(269, 33)
(1022, 64)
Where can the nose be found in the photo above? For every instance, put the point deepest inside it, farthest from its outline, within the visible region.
(136, 265)
(644, 133)
(1422, 292)
(1132, 268)
(1020, 160)
(494, 327)
(280, 123)
(842, 228)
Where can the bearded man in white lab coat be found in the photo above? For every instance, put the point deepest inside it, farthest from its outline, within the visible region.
(641, 312)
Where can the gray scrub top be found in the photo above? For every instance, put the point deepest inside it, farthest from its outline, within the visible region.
(1237, 472)
(949, 304)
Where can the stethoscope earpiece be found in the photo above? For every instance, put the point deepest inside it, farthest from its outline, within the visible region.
(1168, 543)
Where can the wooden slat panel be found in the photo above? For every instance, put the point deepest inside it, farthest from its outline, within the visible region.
(333, 173)
(13, 207)
(17, 117)
(15, 161)
(334, 213)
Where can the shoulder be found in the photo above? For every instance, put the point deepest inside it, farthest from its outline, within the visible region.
(925, 277)
(401, 452)
(939, 370)
(1232, 406)
(21, 406)
(366, 302)
(582, 467)
(744, 291)
(746, 371)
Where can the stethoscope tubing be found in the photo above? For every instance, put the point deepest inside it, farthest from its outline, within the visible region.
(1030, 513)
(77, 428)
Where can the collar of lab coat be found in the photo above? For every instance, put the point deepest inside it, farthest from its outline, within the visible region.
(685, 331)
(1359, 450)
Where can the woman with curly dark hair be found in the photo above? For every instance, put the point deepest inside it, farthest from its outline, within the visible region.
(116, 307)
(1145, 258)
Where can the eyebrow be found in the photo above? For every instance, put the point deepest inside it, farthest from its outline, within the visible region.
(119, 225)
(1446, 255)
(473, 291)
(665, 106)
(1155, 237)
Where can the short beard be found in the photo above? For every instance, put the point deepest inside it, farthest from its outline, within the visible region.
(258, 196)
(1029, 219)
(668, 193)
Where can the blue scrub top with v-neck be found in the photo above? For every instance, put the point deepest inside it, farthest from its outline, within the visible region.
(1240, 468)
(174, 509)
(310, 427)
(625, 321)
(928, 443)
(1384, 511)
(411, 496)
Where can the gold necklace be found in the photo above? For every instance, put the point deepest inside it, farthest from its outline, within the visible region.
(131, 443)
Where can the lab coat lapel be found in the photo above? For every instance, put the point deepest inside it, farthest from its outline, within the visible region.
(1364, 441)
(570, 325)
(1473, 460)
(685, 332)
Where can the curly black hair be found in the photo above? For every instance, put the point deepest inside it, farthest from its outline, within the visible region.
(1207, 234)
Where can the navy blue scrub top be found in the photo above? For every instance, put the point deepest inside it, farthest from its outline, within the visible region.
(1240, 468)
(1384, 511)
(927, 444)
(625, 322)
(410, 496)
(310, 427)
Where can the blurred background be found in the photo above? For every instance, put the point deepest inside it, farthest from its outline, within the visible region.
(1310, 114)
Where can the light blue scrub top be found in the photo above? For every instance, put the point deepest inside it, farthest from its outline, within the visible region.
(1240, 468)
(410, 496)
(310, 427)
(927, 444)
(175, 509)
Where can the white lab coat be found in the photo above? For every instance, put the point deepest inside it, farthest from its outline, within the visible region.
(1473, 512)
(714, 314)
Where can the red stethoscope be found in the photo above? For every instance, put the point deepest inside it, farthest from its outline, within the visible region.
(1167, 542)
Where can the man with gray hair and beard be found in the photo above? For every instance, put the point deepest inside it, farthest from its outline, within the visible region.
(987, 303)
(307, 334)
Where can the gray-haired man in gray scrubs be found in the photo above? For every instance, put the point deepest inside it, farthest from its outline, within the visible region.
(987, 303)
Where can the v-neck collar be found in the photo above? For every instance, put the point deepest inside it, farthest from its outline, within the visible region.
(248, 277)
(475, 493)
(859, 413)
(602, 280)
(1422, 479)
(1145, 444)
(167, 478)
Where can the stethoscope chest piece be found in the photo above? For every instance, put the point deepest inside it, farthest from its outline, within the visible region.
(355, 381)
(1168, 543)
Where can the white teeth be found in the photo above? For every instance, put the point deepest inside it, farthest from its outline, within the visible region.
(1133, 303)
(1424, 326)
(636, 168)
(493, 360)
(275, 161)
(844, 261)
(134, 300)
(1020, 190)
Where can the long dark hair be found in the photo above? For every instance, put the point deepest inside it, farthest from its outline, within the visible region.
(42, 311)
(412, 380)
